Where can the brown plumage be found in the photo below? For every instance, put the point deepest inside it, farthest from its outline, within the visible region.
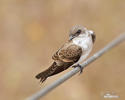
(75, 50)
(63, 59)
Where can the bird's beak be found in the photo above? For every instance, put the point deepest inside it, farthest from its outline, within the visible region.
(93, 36)
(71, 37)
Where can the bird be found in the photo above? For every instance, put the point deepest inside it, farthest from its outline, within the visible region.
(72, 53)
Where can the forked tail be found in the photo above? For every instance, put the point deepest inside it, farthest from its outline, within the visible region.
(45, 74)
(52, 70)
(42, 76)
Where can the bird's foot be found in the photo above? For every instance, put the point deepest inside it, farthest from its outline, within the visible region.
(80, 67)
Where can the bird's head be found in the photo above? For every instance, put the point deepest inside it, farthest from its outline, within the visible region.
(80, 31)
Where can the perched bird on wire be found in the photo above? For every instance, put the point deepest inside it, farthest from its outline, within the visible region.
(72, 53)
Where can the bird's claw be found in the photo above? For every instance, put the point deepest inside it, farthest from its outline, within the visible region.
(80, 67)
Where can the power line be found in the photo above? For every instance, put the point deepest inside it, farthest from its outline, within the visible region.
(68, 75)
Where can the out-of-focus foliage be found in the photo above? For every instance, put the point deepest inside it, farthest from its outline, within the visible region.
(32, 30)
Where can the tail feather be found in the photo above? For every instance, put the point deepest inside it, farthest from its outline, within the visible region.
(45, 74)
(52, 70)
(42, 76)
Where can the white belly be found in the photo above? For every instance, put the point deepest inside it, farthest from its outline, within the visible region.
(86, 45)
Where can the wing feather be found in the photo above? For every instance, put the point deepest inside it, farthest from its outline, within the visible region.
(68, 53)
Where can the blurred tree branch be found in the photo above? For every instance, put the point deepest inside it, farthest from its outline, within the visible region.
(68, 75)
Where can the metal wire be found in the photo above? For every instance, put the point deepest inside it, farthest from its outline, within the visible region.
(68, 75)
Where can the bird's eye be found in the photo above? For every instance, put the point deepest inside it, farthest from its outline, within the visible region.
(79, 31)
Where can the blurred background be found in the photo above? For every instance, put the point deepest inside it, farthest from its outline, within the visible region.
(32, 30)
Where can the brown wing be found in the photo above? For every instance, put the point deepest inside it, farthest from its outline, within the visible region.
(68, 53)
(66, 56)
(52, 70)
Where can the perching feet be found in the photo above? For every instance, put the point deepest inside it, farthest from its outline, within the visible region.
(78, 65)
